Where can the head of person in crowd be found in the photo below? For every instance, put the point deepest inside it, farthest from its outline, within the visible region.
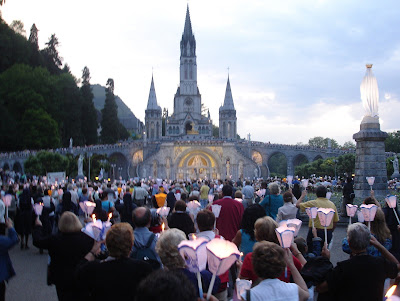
(301, 245)
(287, 197)
(66, 201)
(227, 190)
(141, 217)
(321, 191)
(161, 189)
(184, 197)
(250, 215)
(247, 182)
(358, 237)
(167, 248)
(166, 285)
(264, 229)
(238, 194)
(268, 260)
(180, 206)
(193, 198)
(349, 180)
(205, 220)
(371, 200)
(379, 227)
(264, 185)
(69, 223)
(274, 188)
(138, 184)
(84, 190)
(119, 240)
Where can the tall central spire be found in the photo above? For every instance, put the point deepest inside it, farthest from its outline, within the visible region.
(187, 32)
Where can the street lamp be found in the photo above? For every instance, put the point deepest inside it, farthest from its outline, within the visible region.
(113, 166)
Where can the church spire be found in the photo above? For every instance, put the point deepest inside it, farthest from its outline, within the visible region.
(228, 101)
(187, 32)
(152, 102)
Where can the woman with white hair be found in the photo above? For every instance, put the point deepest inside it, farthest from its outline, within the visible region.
(272, 201)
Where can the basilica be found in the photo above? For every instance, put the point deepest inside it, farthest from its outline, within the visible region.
(188, 150)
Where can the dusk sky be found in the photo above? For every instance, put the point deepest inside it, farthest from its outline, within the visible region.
(295, 66)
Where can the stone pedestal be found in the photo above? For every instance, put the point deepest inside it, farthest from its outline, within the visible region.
(370, 159)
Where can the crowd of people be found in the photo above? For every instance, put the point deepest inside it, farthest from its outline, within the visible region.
(139, 257)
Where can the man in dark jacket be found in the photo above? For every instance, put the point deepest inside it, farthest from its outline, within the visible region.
(348, 195)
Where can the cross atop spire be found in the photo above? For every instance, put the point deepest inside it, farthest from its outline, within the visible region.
(152, 102)
(228, 101)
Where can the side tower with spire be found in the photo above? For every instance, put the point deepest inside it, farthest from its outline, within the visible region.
(227, 116)
(153, 119)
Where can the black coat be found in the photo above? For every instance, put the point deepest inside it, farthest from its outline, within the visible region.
(181, 221)
(66, 250)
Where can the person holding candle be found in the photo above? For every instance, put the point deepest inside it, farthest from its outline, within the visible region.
(362, 276)
(66, 249)
(269, 261)
(320, 202)
(167, 248)
(117, 277)
(264, 230)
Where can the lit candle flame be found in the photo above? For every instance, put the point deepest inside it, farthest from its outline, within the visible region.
(94, 218)
(241, 256)
(391, 291)
(109, 216)
(163, 227)
(194, 237)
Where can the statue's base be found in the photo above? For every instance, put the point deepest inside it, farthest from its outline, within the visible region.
(395, 175)
(79, 177)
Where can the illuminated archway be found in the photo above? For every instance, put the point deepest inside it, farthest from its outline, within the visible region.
(197, 164)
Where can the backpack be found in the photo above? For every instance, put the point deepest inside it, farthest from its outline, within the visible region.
(146, 254)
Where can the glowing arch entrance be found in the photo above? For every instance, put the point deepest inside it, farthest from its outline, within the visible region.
(197, 165)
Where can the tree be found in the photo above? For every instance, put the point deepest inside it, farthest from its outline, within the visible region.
(392, 142)
(51, 56)
(349, 145)
(88, 111)
(215, 131)
(18, 27)
(44, 162)
(33, 37)
(322, 142)
(109, 116)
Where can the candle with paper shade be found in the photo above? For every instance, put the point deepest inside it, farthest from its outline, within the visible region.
(193, 207)
(38, 207)
(194, 253)
(294, 223)
(370, 181)
(163, 211)
(360, 216)
(391, 200)
(369, 212)
(210, 198)
(242, 286)
(7, 202)
(325, 216)
(290, 180)
(312, 213)
(304, 183)
(221, 254)
(351, 211)
(285, 236)
(87, 207)
(162, 227)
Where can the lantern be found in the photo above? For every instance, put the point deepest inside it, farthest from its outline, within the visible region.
(325, 216)
(289, 179)
(178, 196)
(360, 216)
(193, 207)
(391, 200)
(304, 183)
(312, 213)
(194, 253)
(210, 198)
(7, 202)
(368, 212)
(351, 211)
(163, 211)
(242, 286)
(370, 181)
(221, 254)
(285, 235)
(38, 207)
(296, 224)
(216, 209)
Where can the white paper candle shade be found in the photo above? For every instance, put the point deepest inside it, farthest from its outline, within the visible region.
(283, 223)
(370, 180)
(194, 253)
(106, 226)
(296, 224)
(7, 200)
(312, 212)
(391, 200)
(193, 206)
(178, 196)
(289, 179)
(163, 211)
(159, 182)
(97, 228)
(325, 216)
(328, 195)
(285, 235)
(360, 216)
(216, 209)
(38, 208)
(242, 286)
(82, 205)
(89, 207)
(210, 198)
(368, 212)
(351, 210)
(221, 254)
(304, 183)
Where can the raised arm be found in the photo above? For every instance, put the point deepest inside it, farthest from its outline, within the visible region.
(303, 195)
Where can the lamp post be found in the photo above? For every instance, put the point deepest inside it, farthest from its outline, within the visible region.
(113, 166)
